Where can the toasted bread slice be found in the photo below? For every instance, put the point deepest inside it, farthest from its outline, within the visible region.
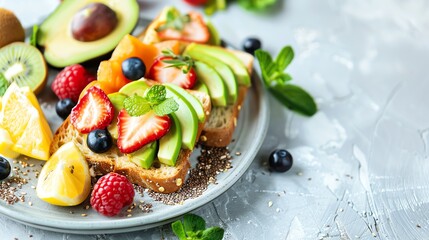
(159, 178)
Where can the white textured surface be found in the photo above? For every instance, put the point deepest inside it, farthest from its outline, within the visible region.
(361, 163)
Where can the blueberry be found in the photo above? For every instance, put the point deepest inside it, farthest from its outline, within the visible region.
(250, 45)
(133, 68)
(280, 160)
(4, 168)
(99, 140)
(64, 107)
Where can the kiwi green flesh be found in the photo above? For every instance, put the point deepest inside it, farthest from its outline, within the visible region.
(23, 64)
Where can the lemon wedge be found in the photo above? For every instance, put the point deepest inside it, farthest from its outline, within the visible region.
(22, 117)
(64, 179)
(6, 144)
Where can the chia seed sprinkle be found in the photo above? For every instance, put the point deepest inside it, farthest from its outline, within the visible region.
(212, 161)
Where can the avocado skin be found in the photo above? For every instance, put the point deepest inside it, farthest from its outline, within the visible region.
(61, 49)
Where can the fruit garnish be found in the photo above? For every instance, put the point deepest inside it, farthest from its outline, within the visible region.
(6, 144)
(172, 68)
(135, 132)
(93, 111)
(22, 117)
(110, 76)
(144, 119)
(111, 193)
(5, 168)
(70, 82)
(280, 160)
(11, 29)
(23, 64)
(189, 27)
(251, 44)
(65, 179)
(93, 22)
(99, 140)
(64, 107)
(277, 82)
(133, 68)
(131, 46)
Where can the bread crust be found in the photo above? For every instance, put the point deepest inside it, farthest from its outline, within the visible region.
(159, 178)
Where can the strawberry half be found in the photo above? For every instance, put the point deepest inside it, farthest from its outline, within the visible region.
(164, 72)
(93, 111)
(194, 30)
(135, 132)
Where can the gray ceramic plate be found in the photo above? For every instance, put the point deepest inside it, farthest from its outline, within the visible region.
(250, 133)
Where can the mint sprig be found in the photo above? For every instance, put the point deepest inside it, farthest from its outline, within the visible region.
(154, 99)
(4, 84)
(193, 227)
(277, 82)
(178, 61)
(174, 20)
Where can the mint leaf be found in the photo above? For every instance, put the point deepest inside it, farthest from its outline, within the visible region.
(193, 223)
(4, 84)
(277, 81)
(174, 20)
(136, 105)
(179, 230)
(168, 106)
(213, 233)
(295, 98)
(33, 38)
(268, 67)
(156, 94)
(284, 58)
(283, 78)
(256, 5)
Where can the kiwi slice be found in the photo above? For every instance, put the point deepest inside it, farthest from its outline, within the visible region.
(23, 64)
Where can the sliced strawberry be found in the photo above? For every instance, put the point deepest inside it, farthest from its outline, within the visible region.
(195, 30)
(135, 132)
(93, 111)
(165, 73)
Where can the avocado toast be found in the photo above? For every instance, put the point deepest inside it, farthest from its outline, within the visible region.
(209, 97)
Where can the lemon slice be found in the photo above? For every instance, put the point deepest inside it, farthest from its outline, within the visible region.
(64, 179)
(22, 117)
(6, 144)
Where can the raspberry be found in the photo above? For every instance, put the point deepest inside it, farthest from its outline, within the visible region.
(111, 193)
(70, 82)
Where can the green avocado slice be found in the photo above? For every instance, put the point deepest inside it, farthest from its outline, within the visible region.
(223, 55)
(221, 68)
(196, 104)
(214, 83)
(171, 143)
(61, 49)
(145, 156)
(187, 118)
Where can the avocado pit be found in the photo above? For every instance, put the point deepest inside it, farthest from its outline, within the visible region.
(93, 22)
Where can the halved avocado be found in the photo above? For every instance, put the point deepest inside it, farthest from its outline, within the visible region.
(61, 49)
